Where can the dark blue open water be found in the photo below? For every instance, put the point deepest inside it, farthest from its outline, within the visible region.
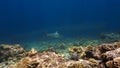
(23, 20)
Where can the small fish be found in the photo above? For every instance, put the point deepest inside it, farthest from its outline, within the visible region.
(54, 35)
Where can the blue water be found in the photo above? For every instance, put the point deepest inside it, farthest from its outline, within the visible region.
(22, 20)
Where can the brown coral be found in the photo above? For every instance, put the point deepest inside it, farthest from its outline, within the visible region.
(116, 62)
(89, 48)
(76, 49)
(42, 60)
(76, 52)
(9, 52)
(93, 62)
(100, 49)
(112, 54)
(76, 65)
(50, 60)
(109, 64)
(117, 44)
(89, 51)
(32, 52)
(24, 63)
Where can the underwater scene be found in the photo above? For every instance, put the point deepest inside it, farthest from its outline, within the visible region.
(60, 34)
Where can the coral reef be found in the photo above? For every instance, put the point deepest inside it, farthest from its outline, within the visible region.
(8, 52)
(75, 65)
(31, 52)
(100, 49)
(76, 52)
(76, 49)
(115, 63)
(81, 63)
(102, 55)
(41, 60)
(94, 62)
(52, 60)
(89, 51)
(112, 54)
(106, 55)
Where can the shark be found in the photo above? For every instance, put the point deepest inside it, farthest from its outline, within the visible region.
(53, 35)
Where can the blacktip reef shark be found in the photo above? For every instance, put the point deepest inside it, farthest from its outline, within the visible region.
(53, 35)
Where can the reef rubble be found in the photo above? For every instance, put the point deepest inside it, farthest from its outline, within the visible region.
(106, 55)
